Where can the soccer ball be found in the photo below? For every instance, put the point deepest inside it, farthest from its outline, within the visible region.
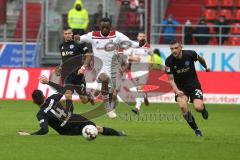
(90, 132)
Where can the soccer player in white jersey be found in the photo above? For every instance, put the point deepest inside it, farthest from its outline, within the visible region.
(104, 44)
(138, 57)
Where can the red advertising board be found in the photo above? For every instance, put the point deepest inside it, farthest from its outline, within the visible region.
(218, 87)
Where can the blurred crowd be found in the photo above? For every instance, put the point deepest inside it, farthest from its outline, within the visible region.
(130, 21)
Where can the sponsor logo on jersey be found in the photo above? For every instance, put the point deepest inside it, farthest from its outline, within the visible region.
(67, 53)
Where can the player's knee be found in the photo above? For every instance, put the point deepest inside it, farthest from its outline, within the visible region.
(83, 99)
(198, 107)
(104, 78)
(68, 94)
(114, 97)
(184, 108)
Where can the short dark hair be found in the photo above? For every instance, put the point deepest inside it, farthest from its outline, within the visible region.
(175, 41)
(38, 97)
(66, 28)
(105, 19)
(141, 32)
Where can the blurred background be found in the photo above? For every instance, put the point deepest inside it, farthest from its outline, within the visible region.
(30, 30)
(201, 22)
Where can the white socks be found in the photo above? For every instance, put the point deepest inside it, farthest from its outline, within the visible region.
(138, 103)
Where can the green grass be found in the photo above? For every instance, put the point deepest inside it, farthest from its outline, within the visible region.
(165, 137)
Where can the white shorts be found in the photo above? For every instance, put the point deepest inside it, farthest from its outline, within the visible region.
(108, 74)
(139, 73)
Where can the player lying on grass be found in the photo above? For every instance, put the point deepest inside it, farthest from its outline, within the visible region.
(53, 114)
(184, 81)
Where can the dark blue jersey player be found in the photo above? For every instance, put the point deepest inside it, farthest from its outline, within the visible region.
(53, 114)
(184, 81)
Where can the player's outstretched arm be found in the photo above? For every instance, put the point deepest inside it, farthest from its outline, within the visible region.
(45, 80)
(42, 131)
(203, 63)
(86, 38)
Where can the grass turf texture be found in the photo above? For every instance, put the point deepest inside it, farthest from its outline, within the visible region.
(165, 136)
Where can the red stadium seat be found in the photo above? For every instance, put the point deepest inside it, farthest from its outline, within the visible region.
(236, 15)
(235, 29)
(213, 41)
(211, 28)
(210, 14)
(225, 12)
(234, 41)
(237, 4)
(211, 3)
(227, 3)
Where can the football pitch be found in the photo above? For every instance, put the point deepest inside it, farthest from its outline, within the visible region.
(158, 133)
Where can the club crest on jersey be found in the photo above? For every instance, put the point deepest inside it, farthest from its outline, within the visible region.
(187, 63)
(71, 46)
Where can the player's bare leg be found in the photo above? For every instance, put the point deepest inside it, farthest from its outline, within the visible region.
(183, 104)
(141, 97)
(200, 107)
(87, 97)
(84, 99)
(144, 94)
(105, 94)
(114, 100)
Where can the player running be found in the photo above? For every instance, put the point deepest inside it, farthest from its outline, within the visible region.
(105, 43)
(53, 114)
(73, 56)
(138, 57)
(184, 81)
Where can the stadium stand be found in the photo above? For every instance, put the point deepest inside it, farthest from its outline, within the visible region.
(211, 3)
(237, 4)
(236, 15)
(33, 22)
(225, 12)
(210, 14)
(212, 10)
(236, 29)
(227, 3)
(234, 41)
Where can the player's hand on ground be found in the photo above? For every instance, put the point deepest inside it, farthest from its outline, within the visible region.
(57, 71)
(77, 37)
(207, 70)
(179, 93)
(43, 79)
(22, 133)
